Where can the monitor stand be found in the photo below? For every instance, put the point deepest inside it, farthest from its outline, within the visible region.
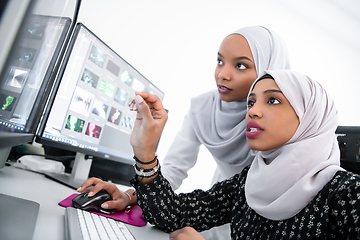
(79, 173)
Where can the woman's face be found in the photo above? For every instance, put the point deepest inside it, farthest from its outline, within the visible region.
(271, 120)
(235, 71)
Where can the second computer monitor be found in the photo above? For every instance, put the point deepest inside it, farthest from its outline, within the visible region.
(89, 113)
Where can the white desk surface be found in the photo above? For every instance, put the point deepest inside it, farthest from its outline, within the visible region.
(51, 219)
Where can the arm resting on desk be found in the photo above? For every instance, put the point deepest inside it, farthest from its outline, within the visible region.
(199, 209)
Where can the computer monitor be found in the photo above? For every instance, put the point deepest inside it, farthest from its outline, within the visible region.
(89, 112)
(31, 45)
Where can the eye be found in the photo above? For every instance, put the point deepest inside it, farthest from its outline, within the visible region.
(273, 101)
(219, 61)
(240, 66)
(250, 103)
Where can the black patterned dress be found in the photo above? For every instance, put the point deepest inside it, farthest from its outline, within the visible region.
(334, 213)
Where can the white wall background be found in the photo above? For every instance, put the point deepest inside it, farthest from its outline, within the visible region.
(174, 43)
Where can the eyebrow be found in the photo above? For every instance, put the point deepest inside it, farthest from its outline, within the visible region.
(272, 90)
(268, 91)
(238, 58)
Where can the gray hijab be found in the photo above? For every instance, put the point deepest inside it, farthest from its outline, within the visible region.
(281, 182)
(219, 125)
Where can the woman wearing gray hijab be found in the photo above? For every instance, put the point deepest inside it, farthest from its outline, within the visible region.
(293, 189)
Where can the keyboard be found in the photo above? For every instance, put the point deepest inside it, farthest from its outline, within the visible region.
(88, 226)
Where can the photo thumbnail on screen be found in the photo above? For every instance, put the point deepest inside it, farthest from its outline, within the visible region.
(121, 96)
(90, 78)
(74, 123)
(93, 130)
(7, 102)
(114, 116)
(107, 88)
(82, 101)
(97, 56)
(100, 109)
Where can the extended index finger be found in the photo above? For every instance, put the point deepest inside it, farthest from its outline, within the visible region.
(90, 182)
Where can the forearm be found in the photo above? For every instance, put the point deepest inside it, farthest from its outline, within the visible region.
(158, 202)
(169, 211)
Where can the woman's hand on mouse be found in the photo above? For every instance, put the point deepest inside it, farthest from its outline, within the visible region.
(120, 201)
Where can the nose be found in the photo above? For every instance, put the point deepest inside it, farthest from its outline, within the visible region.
(225, 73)
(255, 111)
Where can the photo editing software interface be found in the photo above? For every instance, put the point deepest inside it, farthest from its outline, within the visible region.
(28, 69)
(90, 112)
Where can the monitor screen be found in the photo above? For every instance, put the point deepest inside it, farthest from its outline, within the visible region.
(89, 113)
(30, 48)
(26, 77)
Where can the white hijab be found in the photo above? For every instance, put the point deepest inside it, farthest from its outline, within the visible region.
(281, 182)
(219, 125)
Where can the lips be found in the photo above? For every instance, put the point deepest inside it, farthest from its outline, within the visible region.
(253, 130)
(223, 89)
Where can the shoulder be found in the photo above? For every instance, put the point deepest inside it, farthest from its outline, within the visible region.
(345, 185)
(234, 185)
(345, 178)
(240, 178)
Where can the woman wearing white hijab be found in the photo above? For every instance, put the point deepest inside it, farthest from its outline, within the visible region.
(294, 188)
(216, 120)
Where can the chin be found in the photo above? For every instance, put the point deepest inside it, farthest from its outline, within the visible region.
(227, 99)
(257, 147)
(251, 146)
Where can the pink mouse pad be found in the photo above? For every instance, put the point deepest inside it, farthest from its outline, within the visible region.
(132, 216)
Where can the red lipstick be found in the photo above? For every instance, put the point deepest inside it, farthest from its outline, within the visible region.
(253, 130)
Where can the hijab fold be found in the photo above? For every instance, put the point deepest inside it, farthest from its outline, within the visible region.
(219, 125)
(283, 181)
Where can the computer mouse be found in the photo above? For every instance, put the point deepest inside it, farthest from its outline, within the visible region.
(84, 202)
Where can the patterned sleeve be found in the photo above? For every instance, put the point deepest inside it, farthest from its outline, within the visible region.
(199, 209)
(346, 207)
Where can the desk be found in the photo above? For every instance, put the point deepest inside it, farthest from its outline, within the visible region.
(51, 219)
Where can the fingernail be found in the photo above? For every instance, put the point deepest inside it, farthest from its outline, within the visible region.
(139, 99)
(104, 205)
(78, 189)
(90, 194)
